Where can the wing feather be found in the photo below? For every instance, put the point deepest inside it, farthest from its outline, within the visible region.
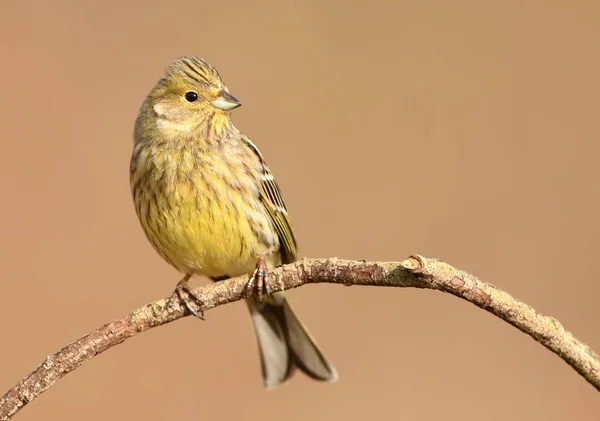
(272, 199)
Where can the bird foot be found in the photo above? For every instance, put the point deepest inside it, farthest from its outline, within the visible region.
(186, 295)
(260, 279)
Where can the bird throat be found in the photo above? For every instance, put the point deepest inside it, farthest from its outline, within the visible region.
(219, 124)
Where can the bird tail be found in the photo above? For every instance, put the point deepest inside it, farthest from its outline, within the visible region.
(284, 343)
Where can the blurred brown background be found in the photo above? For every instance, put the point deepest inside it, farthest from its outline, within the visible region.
(456, 130)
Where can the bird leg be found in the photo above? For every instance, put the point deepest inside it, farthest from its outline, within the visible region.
(260, 276)
(185, 294)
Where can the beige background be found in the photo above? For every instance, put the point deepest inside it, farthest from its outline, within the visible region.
(460, 130)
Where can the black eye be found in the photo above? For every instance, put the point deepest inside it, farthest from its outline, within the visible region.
(191, 96)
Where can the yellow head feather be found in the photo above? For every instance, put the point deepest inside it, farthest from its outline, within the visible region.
(190, 101)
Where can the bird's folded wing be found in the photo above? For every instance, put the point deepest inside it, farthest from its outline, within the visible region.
(273, 201)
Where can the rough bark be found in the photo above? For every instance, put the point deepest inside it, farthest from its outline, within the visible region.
(416, 272)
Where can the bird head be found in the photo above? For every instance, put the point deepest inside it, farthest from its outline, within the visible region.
(192, 96)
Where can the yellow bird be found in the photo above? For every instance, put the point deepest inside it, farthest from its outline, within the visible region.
(210, 206)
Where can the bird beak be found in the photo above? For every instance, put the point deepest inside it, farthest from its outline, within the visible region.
(226, 102)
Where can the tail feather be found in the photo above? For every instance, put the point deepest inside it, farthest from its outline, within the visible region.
(284, 343)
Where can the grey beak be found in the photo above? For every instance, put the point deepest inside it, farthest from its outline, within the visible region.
(226, 102)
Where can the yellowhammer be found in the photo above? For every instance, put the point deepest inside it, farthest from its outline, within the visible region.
(210, 206)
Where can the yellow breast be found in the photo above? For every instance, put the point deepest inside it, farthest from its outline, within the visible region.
(201, 210)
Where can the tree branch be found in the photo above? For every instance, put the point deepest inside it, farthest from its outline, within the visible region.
(416, 272)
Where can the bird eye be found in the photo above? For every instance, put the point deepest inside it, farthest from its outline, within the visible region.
(191, 96)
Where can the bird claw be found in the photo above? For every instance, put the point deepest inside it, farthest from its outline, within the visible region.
(260, 277)
(184, 292)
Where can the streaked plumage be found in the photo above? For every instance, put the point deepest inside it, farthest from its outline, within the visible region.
(210, 206)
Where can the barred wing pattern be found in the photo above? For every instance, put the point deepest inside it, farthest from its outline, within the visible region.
(275, 206)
